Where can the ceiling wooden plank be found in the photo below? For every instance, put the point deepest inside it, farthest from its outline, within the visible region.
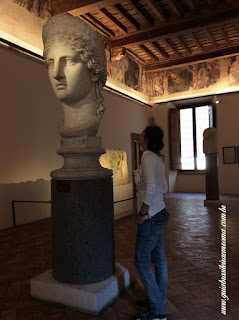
(172, 47)
(127, 16)
(183, 44)
(211, 38)
(100, 24)
(80, 7)
(175, 8)
(225, 37)
(191, 59)
(141, 11)
(103, 31)
(237, 27)
(196, 41)
(149, 52)
(160, 50)
(114, 20)
(191, 5)
(160, 14)
(177, 29)
(135, 55)
(61, 6)
(211, 2)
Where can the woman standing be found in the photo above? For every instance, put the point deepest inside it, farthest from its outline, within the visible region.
(152, 220)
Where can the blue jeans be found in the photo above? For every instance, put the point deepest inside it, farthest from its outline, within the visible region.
(150, 247)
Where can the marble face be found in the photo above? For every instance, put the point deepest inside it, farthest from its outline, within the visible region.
(70, 77)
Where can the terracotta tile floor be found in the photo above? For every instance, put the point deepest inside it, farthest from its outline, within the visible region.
(192, 246)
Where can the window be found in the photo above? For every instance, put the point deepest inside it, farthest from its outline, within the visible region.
(187, 126)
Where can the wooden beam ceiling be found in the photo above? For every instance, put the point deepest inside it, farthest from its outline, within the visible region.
(79, 7)
(135, 56)
(176, 29)
(191, 5)
(149, 52)
(98, 24)
(211, 2)
(141, 11)
(160, 50)
(175, 8)
(172, 47)
(127, 16)
(61, 6)
(195, 58)
(196, 41)
(114, 20)
(183, 44)
(225, 37)
(162, 33)
(159, 13)
(211, 38)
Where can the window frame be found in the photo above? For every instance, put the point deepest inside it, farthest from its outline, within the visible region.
(213, 124)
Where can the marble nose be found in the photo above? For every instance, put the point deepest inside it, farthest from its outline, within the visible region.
(58, 71)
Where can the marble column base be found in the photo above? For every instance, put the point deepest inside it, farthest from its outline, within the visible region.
(212, 203)
(89, 298)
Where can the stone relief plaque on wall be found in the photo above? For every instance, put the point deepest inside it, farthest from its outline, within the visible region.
(116, 160)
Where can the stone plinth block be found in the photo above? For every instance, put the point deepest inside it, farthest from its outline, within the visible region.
(212, 203)
(90, 298)
(212, 186)
(82, 230)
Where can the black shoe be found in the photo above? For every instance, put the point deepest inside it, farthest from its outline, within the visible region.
(142, 304)
(150, 315)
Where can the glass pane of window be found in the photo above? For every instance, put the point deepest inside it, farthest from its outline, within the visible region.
(202, 123)
(186, 128)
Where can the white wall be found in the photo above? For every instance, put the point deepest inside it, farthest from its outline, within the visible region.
(28, 123)
(228, 131)
(20, 26)
(190, 183)
(30, 114)
(122, 117)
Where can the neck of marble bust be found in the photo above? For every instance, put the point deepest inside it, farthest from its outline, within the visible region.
(79, 119)
(88, 100)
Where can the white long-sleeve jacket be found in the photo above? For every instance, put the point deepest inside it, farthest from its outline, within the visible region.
(152, 182)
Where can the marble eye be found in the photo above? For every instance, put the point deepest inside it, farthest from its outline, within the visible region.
(70, 61)
(50, 63)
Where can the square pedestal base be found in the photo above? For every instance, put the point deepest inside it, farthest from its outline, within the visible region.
(90, 298)
(212, 203)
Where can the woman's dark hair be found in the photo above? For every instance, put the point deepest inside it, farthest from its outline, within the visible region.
(155, 135)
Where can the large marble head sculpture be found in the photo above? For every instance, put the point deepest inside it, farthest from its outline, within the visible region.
(75, 57)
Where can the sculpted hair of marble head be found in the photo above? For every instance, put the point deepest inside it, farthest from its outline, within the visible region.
(81, 38)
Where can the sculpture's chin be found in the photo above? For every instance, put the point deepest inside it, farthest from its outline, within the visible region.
(66, 100)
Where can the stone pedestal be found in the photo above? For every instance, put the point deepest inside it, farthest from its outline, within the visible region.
(83, 274)
(82, 214)
(212, 188)
(82, 230)
(90, 298)
(81, 159)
